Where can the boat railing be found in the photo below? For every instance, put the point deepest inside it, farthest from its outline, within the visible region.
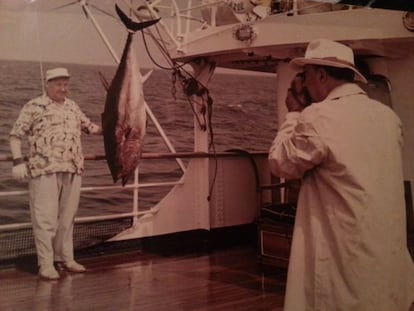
(134, 186)
(189, 16)
(16, 238)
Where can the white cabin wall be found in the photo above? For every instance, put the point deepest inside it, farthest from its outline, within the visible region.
(284, 75)
(184, 208)
(234, 199)
(400, 73)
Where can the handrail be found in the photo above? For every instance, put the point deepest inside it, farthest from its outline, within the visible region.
(130, 186)
(134, 186)
(160, 155)
(188, 12)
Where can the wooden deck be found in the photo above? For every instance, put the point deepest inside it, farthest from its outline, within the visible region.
(226, 279)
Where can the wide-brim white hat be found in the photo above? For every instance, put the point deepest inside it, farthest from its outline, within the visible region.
(326, 52)
(57, 73)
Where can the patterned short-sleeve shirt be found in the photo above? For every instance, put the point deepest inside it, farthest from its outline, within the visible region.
(53, 131)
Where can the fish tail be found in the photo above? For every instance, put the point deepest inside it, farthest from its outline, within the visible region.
(130, 24)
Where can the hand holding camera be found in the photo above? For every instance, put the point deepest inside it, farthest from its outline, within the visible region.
(297, 97)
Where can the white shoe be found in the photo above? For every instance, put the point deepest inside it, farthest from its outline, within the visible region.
(73, 266)
(48, 273)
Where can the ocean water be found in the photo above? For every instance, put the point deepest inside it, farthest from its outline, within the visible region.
(244, 117)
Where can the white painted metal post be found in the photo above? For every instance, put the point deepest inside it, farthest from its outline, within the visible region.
(101, 34)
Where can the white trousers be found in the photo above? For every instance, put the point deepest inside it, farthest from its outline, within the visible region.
(54, 200)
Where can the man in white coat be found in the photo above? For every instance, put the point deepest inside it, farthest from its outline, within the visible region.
(349, 246)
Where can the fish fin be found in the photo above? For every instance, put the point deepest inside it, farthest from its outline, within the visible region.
(147, 75)
(105, 82)
(130, 24)
(124, 180)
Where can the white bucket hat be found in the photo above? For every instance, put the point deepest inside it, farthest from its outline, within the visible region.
(57, 73)
(326, 52)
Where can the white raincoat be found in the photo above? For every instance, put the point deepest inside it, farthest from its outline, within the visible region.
(349, 250)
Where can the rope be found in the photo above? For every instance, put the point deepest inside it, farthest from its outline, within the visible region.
(191, 86)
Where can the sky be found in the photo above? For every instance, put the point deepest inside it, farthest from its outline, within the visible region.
(58, 31)
(37, 31)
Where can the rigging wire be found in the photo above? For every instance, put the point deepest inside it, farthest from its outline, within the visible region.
(177, 69)
(39, 43)
(174, 66)
(191, 86)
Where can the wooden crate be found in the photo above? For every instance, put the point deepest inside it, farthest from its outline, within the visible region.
(274, 241)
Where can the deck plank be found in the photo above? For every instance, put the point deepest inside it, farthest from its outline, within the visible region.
(229, 279)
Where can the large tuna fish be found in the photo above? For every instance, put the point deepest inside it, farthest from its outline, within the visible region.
(124, 116)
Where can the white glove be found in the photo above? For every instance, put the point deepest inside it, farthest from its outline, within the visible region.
(19, 172)
(94, 129)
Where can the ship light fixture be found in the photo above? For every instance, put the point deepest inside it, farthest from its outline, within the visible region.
(244, 33)
(408, 21)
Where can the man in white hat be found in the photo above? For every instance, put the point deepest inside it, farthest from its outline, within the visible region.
(349, 246)
(52, 124)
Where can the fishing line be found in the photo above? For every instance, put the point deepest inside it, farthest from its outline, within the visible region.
(176, 68)
(212, 144)
(39, 48)
(167, 57)
(162, 47)
(191, 86)
(155, 40)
